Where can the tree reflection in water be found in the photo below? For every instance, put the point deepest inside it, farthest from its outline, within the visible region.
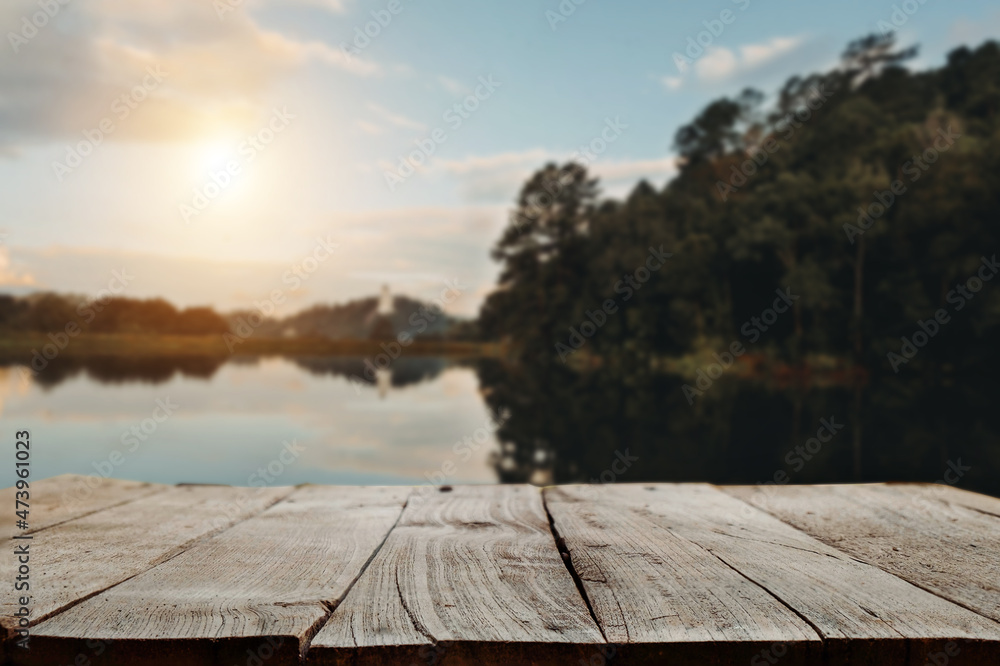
(567, 427)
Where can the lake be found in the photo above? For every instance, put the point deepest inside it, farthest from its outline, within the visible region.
(282, 421)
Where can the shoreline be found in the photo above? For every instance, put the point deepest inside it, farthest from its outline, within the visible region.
(22, 348)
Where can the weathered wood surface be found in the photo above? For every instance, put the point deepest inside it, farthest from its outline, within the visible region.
(945, 548)
(76, 559)
(469, 574)
(982, 503)
(61, 498)
(629, 574)
(274, 576)
(649, 584)
(722, 570)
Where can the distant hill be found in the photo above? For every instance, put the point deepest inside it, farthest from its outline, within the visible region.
(359, 319)
(70, 315)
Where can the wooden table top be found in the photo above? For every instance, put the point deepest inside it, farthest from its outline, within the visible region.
(132, 573)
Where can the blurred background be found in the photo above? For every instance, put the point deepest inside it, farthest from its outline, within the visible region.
(389, 242)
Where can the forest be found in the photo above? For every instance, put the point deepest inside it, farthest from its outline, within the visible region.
(868, 195)
(47, 312)
(849, 218)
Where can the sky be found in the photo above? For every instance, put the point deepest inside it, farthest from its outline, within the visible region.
(215, 152)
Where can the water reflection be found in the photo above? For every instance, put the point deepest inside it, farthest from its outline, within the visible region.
(401, 424)
(402, 372)
(234, 415)
(112, 369)
(602, 426)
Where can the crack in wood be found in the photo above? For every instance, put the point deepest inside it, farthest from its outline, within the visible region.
(567, 559)
(331, 606)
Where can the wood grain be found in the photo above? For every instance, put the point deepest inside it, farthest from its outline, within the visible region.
(864, 614)
(982, 503)
(68, 496)
(940, 546)
(261, 587)
(471, 575)
(76, 559)
(655, 591)
(674, 573)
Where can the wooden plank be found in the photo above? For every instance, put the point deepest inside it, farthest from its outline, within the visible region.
(68, 496)
(261, 587)
(660, 595)
(939, 546)
(467, 575)
(74, 560)
(982, 503)
(863, 614)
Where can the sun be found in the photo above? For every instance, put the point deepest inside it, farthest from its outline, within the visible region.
(215, 154)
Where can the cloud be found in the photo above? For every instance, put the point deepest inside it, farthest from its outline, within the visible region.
(336, 6)
(65, 79)
(403, 246)
(452, 86)
(370, 128)
(755, 55)
(302, 52)
(672, 82)
(717, 64)
(499, 161)
(966, 32)
(496, 177)
(499, 177)
(10, 277)
(720, 64)
(635, 170)
(395, 119)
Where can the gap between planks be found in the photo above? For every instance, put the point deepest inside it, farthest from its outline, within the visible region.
(568, 561)
(554, 533)
(331, 607)
(48, 604)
